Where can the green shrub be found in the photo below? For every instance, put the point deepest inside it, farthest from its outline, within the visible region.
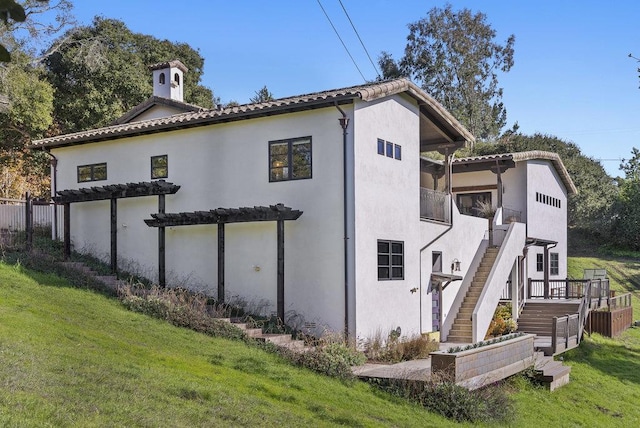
(334, 359)
(396, 349)
(502, 322)
(180, 307)
(441, 395)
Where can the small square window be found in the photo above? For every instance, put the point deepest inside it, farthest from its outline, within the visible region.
(380, 147)
(389, 149)
(398, 152)
(159, 166)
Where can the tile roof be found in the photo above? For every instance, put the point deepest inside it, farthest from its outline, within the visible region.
(153, 101)
(366, 92)
(525, 156)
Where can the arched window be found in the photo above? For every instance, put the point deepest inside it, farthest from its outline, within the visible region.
(176, 78)
(161, 79)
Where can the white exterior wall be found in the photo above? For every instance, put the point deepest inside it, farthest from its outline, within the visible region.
(387, 207)
(226, 165)
(461, 241)
(546, 221)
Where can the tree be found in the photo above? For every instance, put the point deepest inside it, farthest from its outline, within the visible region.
(262, 96)
(453, 55)
(626, 230)
(34, 33)
(101, 72)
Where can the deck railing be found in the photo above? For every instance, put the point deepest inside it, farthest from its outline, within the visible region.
(435, 205)
(570, 289)
(621, 301)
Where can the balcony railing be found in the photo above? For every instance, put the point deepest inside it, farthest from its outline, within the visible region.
(435, 205)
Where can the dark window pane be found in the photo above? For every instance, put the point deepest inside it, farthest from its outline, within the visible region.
(396, 247)
(396, 260)
(100, 171)
(84, 173)
(383, 273)
(383, 246)
(398, 153)
(389, 149)
(397, 273)
(380, 147)
(383, 260)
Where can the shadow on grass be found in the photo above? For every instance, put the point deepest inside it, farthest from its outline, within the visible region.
(609, 356)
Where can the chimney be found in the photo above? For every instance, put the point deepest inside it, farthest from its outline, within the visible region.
(168, 80)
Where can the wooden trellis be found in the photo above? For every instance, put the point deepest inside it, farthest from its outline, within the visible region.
(221, 216)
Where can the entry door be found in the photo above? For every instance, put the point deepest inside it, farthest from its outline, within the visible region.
(436, 266)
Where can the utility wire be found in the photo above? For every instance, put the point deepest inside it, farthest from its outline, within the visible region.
(345, 46)
(361, 42)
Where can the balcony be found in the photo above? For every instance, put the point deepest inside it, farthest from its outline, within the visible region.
(435, 206)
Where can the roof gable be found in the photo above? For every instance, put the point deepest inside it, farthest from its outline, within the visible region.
(153, 102)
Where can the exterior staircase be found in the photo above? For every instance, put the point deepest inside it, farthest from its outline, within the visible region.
(549, 372)
(537, 317)
(461, 330)
(281, 340)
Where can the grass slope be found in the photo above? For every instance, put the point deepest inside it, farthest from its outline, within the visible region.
(71, 357)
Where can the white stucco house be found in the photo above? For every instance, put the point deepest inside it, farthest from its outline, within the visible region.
(375, 236)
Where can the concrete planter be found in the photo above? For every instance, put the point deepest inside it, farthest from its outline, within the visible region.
(481, 366)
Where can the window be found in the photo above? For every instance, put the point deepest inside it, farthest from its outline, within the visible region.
(554, 262)
(469, 203)
(290, 159)
(539, 262)
(390, 260)
(389, 149)
(398, 152)
(94, 172)
(436, 261)
(159, 166)
(161, 79)
(176, 78)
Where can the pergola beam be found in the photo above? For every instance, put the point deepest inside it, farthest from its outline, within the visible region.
(116, 191)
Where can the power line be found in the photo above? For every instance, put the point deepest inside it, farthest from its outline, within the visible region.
(341, 41)
(361, 42)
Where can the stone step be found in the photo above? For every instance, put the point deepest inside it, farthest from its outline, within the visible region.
(459, 339)
(276, 339)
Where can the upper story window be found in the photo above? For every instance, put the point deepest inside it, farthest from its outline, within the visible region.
(389, 149)
(93, 172)
(290, 159)
(469, 203)
(161, 79)
(390, 260)
(159, 166)
(539, 262)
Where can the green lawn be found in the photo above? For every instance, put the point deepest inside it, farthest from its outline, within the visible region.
(71, 357)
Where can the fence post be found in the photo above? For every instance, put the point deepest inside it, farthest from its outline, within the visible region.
(28, 220)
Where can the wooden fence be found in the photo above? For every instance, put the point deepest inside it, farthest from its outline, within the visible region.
(19, 218)
(613, 320)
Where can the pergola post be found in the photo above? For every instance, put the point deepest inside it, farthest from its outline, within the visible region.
(114, 236)
(280, 284)
(162, 280)
(67, 231)
(220, 262)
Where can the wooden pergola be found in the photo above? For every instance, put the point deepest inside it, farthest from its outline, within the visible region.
(111, 192)
(221, 216)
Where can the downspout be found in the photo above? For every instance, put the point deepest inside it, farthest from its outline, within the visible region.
(448, 178)
(54, 191)
(344, 123)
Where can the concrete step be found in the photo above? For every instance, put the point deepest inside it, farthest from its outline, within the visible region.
(459, 339)
(276, 339)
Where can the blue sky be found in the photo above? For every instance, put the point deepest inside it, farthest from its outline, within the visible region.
(572, 75)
